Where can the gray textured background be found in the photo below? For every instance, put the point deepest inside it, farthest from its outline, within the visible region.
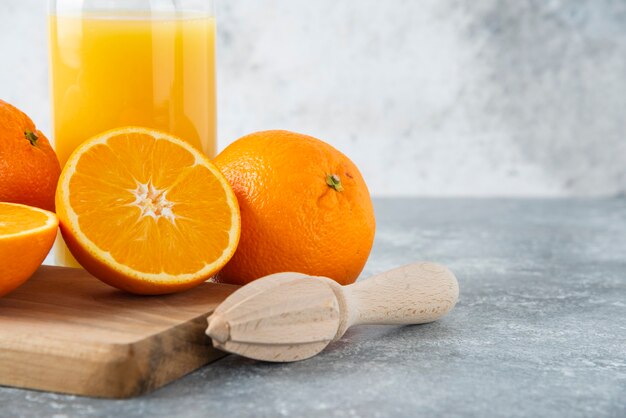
(428, 97)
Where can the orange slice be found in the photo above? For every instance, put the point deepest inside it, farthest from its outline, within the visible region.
(146, 212)
(26, 236)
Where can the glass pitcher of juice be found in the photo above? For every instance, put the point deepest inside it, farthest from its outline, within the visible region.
(117, 63)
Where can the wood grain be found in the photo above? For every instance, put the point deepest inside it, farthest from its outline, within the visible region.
(65, 331)
(416, 293)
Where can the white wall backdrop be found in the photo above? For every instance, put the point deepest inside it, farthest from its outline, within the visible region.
(428, 97)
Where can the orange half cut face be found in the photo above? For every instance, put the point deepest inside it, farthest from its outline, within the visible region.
(26, 236)
(146, 212)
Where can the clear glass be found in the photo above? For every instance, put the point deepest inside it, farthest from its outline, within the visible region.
(117, 63)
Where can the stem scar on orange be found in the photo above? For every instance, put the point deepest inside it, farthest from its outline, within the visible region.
(146, 212)
(304, 207)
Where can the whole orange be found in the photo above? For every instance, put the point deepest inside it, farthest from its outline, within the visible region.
(304, 207)
(29, 168)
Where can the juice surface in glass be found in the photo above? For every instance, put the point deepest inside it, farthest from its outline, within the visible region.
(156, 71)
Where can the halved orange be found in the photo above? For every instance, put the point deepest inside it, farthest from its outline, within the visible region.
(146, 212)
(26, 236)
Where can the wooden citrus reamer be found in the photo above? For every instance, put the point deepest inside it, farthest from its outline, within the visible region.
(291, 316)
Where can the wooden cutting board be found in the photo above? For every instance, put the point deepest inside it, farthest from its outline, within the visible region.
(65, 331)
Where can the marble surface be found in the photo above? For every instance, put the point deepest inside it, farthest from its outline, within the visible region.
(444, 97)
(540, 329)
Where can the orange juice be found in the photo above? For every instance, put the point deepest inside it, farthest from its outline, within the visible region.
(156, 71)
